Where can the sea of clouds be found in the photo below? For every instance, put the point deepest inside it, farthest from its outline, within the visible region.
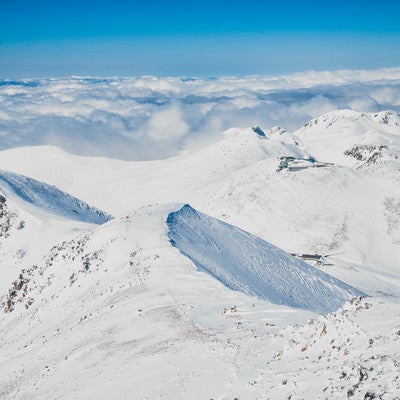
(151, 118)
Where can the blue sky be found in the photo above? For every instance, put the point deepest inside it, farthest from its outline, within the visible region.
(195, 38)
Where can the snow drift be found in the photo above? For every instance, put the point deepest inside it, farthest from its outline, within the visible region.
(49, 198)
(246, 263)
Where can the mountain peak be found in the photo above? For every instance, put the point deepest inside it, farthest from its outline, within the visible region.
(388, 117)
(329, 119)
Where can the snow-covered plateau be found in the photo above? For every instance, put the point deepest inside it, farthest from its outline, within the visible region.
(253, 267)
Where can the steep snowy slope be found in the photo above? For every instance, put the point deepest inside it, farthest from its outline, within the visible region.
(33, 217)
(30, 192)
(246, 263)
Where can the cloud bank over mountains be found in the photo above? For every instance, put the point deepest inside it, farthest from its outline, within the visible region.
(151, 118)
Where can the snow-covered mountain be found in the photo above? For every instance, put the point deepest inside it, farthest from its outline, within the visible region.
(353, 138)
(29, 192)
(248, 264)
(33, 217)
(141, 306)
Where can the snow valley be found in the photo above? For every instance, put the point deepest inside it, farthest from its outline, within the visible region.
(254, 261)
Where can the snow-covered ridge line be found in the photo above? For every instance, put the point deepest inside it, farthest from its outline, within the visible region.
(49, 198)
(386, 117)
(244, 262)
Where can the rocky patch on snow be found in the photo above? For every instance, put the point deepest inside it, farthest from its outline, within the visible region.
(368, 154)
(8, 220)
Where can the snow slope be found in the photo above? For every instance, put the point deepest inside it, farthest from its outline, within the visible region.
(115, 311)
(343, 210)
(49, 198)
(35, 216)
(253, 266)
(331, 135)
(119, 186)
(139, 321)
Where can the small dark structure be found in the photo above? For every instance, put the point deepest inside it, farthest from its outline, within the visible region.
(319, 259)
(298, 163)
(257, 130)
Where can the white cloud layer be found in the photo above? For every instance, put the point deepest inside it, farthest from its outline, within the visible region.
(150, 118)
(167, 124)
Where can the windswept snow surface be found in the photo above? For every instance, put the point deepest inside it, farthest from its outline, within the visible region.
(49, 198)
(118, 313)
(115, 311)
(244, 262)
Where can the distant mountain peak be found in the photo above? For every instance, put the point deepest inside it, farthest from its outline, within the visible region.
(388, 117)
(331, 118)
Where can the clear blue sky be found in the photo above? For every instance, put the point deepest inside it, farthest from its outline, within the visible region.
(195, 38)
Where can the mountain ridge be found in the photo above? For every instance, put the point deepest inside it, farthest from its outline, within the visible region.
(48, 198)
